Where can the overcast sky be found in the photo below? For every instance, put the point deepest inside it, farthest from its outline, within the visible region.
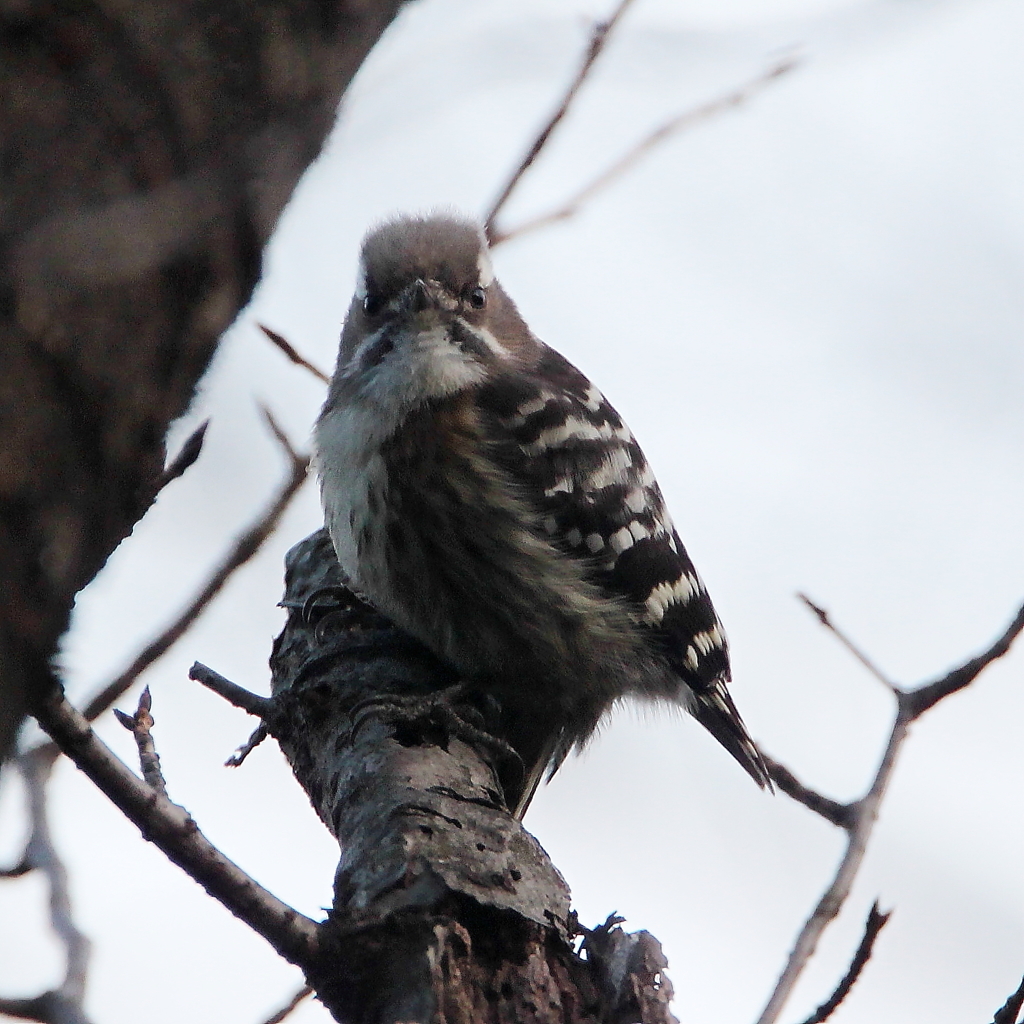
(810, 312)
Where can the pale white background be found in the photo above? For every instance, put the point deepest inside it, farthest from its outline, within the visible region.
(810, 312)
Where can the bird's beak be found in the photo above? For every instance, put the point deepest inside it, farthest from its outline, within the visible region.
(419, 297)
(425, 296)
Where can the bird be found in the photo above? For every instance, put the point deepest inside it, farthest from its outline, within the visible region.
(482, 494)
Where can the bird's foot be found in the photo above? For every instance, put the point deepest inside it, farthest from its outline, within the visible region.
(335, 607)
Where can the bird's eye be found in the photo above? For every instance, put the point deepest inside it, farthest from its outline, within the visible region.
(372, 305)
(478, 298)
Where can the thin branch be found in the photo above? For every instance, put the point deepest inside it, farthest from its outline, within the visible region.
(875, 923)
(64, 1003)
(186, 457)
(44, 855)
(172, 829)
(19, 870)
(48, 1008)
(598, 41)
(290, 1006)
(259, 734)
(681, 122)
(824, 618)
(840, 815)
(298, 461)
(242, 698)
(910, 705)
(1008, 1012)
(835, 895)
(231, 692)
(918, 701)
(140, 725)
(244, 548)
(293, 353)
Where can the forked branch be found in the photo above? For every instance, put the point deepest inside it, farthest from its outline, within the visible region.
(172, 829)
(598, 40)
(65, 1003)
(681, 122)
(910, 705)
(875, 923)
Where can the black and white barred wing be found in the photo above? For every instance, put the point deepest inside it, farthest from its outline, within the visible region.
(599, 502)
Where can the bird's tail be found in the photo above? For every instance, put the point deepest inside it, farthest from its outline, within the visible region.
(547, 762)
(715, 710)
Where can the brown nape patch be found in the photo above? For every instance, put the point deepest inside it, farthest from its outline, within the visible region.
(439, 248)
(508, 326)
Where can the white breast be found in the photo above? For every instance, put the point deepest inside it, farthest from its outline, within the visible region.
(351, 469)
(350, 434)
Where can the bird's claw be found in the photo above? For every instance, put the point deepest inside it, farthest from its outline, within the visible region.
(340, 598)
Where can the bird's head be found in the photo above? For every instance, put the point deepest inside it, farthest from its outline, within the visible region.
(428, 318)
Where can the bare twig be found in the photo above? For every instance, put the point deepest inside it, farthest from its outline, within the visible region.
(293, 354)
(1009, 1011)
(866, 812)
(875, 923)
(186, 457)
(840, 815)
(910, 706)
(824, 618)
(49, 1008)
(231, 692)
(298, 461)
(242, 698)
(259, 734)
(21, 868)
(598, 40)
(64, 1003)
(140, 725)
(681, 122)
(290, 1006)
(918, 701)
(172, 829)
(241, 551)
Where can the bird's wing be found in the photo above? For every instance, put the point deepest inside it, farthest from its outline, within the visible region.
(598, 501)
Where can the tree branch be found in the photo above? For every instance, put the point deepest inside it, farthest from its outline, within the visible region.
(916, 702)
(140, 725)
(598, 40)
(293, 353)
(64, 1004)
(443, 903)
(910, 706)
(826, 620)
(875, 923)
(1009, 1011)
(172, 830)
(130, 244)
(242, 698)
(185, 458)
(48, 1008)
(289, 1007)
(681, 122)
(244, 548)
(840, 815)
(831, 902)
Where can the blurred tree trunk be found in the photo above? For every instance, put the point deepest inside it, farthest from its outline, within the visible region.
(147, 149)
